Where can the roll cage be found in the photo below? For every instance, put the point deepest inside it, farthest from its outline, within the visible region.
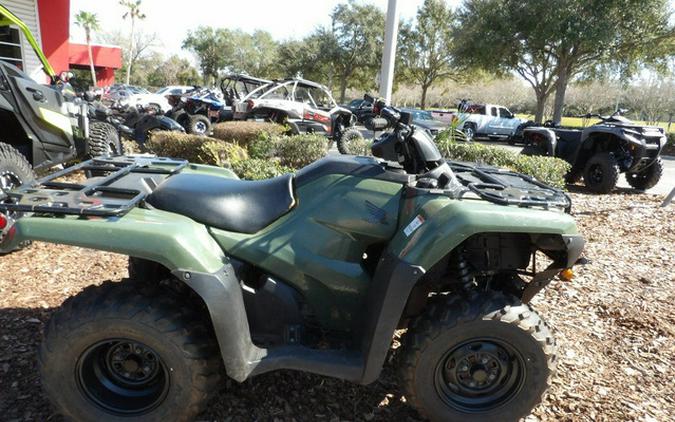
(8, 18)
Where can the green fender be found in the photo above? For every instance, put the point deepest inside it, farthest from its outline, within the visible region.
(446, 223)
(172, 240)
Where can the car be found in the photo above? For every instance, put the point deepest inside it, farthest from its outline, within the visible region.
(362, 109)
(425, 120)
(488, 121)
(137, 96)
(305, 106)
(174, 90)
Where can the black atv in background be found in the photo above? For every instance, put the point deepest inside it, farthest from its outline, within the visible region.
(599, 153)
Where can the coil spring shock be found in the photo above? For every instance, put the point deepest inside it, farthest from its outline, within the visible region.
(460, 270)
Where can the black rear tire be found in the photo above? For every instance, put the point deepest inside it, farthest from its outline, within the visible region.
(648, 178)
(347, 139)
(128, 352)
(103, 140)
(484, 357)
(199, 124)
(601, 173)
(15, 170)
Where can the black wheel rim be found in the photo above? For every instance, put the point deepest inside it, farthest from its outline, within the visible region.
(123, 377)
(595, 173)
(479, 375)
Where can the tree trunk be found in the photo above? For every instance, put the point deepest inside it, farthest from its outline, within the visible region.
(131, 51)
(423, 101)
(91, 61)
(560, 89)
(343, 88)
(539, 110)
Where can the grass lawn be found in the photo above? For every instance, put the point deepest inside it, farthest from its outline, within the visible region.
(579, 122)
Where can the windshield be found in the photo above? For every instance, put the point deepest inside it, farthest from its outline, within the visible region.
(420, 114)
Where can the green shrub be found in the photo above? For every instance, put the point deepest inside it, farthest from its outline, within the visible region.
(262, 147)
(300, 150)
(196, 149)
(671, 139)
(548, 170)
(243, 133)
(256, 169)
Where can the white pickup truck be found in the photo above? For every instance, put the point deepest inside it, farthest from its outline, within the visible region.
(488, 121)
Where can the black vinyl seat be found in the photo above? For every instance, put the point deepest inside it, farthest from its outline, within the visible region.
(229, 204)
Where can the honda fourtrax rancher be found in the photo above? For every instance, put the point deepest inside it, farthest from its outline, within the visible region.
(312, 271)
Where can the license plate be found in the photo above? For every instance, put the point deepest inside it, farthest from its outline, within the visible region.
(213, 113)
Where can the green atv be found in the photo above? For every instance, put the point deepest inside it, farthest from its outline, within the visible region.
(312, 272)
(43, 125)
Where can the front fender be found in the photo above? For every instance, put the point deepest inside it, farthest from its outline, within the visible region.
(446, 223)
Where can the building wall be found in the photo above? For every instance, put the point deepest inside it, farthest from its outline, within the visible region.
(27, 11)
(54, 16)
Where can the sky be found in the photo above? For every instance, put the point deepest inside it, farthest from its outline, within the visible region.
(172, 19)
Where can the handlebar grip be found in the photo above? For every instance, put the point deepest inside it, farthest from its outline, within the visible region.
(377, 123)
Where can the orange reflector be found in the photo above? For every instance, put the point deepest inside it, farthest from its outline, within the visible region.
(566, 274)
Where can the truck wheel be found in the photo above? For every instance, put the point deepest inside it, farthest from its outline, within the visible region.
(469, 131)
(533, 149)
(484, 357)
(648, 178)
(601, 173)
(199, 125)
(103, 140)
(14, 172)
(126, 352)
(351, 142)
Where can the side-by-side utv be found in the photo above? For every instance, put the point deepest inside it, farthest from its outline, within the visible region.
(43, 125)
(312, 271)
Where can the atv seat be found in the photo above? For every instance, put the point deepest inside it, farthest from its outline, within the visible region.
(229, 204)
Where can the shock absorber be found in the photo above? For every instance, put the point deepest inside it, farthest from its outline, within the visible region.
(460, 270)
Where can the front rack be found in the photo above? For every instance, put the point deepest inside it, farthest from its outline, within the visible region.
(114, 186)
(508, 188)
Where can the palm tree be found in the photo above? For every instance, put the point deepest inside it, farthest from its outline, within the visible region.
(89, 22)
(133, 12)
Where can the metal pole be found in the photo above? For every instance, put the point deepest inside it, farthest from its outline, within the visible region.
(669, 198)
(389, 53)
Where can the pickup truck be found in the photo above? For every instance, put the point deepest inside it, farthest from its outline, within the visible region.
(489, 121)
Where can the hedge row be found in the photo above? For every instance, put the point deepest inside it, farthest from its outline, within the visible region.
(260, 151)
(548, 170)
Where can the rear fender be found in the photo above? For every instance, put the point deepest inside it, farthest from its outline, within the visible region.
(543, 136)
(172, 240)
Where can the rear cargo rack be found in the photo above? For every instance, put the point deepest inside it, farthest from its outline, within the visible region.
(114, 186)
(508, 188)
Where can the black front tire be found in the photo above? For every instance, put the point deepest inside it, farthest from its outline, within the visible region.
(199, 124)
(485, 357)
(601, 173)
(104, 139)
(347, 139)
(647, 178)
(469, 131)
(128, 352)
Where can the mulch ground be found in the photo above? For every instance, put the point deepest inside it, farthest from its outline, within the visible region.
(615, 325)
